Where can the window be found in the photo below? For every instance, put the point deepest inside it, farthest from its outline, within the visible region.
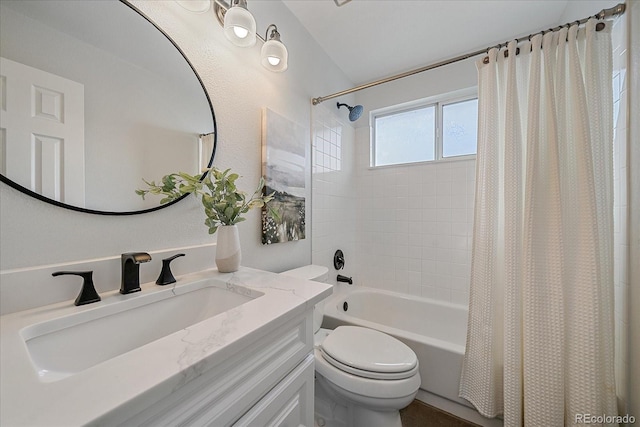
(406, 137)
(460, 128)
(439, 128)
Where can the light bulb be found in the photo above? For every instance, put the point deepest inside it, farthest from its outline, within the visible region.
(240, 26)
(240, 32)
(274, 54)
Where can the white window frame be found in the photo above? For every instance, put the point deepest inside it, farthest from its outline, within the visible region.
(439, 101)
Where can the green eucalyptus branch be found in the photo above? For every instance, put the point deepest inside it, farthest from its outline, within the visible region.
(223, 203)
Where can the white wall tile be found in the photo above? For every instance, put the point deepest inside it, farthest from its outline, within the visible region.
(439, 197)
(621, 248)
(334, 207)
(460, 297)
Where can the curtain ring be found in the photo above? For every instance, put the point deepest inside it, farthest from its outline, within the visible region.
(486, 59)
(568, 27)
(506, 52)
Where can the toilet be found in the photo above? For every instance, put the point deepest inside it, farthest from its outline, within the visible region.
(370, 372)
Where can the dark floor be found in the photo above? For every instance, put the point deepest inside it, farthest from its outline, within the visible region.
(419, 414)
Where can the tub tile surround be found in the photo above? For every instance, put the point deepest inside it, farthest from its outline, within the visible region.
(115, 390)
(415, 227)
(404, 229)
(334, 215)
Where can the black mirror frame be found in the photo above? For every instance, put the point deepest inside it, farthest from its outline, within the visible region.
(40, 197)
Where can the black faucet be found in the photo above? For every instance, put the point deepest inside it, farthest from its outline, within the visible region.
(131, 271)
(345, 279)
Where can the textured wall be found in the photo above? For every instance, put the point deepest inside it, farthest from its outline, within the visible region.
(35, 233)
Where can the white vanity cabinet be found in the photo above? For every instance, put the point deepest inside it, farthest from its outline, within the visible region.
(267, 383)
(213, 350)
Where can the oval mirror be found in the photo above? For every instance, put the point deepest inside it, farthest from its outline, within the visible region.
(94, 99)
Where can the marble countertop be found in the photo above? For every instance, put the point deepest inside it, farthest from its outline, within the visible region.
(147, 373)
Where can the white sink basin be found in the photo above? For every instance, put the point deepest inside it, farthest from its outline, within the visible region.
(67, 345)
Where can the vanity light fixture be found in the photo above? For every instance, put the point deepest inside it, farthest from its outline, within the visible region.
(234, 17)
(239, 24)
(275, 56)
(196, 6)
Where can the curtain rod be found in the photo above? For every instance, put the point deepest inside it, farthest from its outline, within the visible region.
(619, 9)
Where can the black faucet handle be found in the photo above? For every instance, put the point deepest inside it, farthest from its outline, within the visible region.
(88, 293)
(338, 260)
(166, 277)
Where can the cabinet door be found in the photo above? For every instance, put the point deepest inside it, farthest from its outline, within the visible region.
(289, 404)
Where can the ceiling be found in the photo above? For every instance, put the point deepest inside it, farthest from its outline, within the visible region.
(372, 39)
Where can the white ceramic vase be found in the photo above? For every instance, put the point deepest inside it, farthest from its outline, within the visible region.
(228, 254)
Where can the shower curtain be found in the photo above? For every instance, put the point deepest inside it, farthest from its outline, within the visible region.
(540, 331)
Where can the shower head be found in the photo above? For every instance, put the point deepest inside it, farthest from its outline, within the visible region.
(354, 112)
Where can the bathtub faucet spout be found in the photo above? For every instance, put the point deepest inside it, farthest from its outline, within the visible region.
(345, 279)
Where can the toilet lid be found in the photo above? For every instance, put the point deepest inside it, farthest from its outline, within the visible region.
(370, 353)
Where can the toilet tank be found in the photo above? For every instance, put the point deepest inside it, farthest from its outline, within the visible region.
(316, 273)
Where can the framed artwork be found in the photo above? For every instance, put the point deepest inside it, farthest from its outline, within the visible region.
(283, 166)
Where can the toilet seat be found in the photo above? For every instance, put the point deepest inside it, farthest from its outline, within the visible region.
(368, 353)
(372, 388)
(368, 374)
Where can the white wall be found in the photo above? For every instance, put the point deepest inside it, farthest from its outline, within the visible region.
(581, 9)
(38, 234)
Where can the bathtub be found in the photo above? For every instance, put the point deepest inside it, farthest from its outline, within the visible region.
(435, 331)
